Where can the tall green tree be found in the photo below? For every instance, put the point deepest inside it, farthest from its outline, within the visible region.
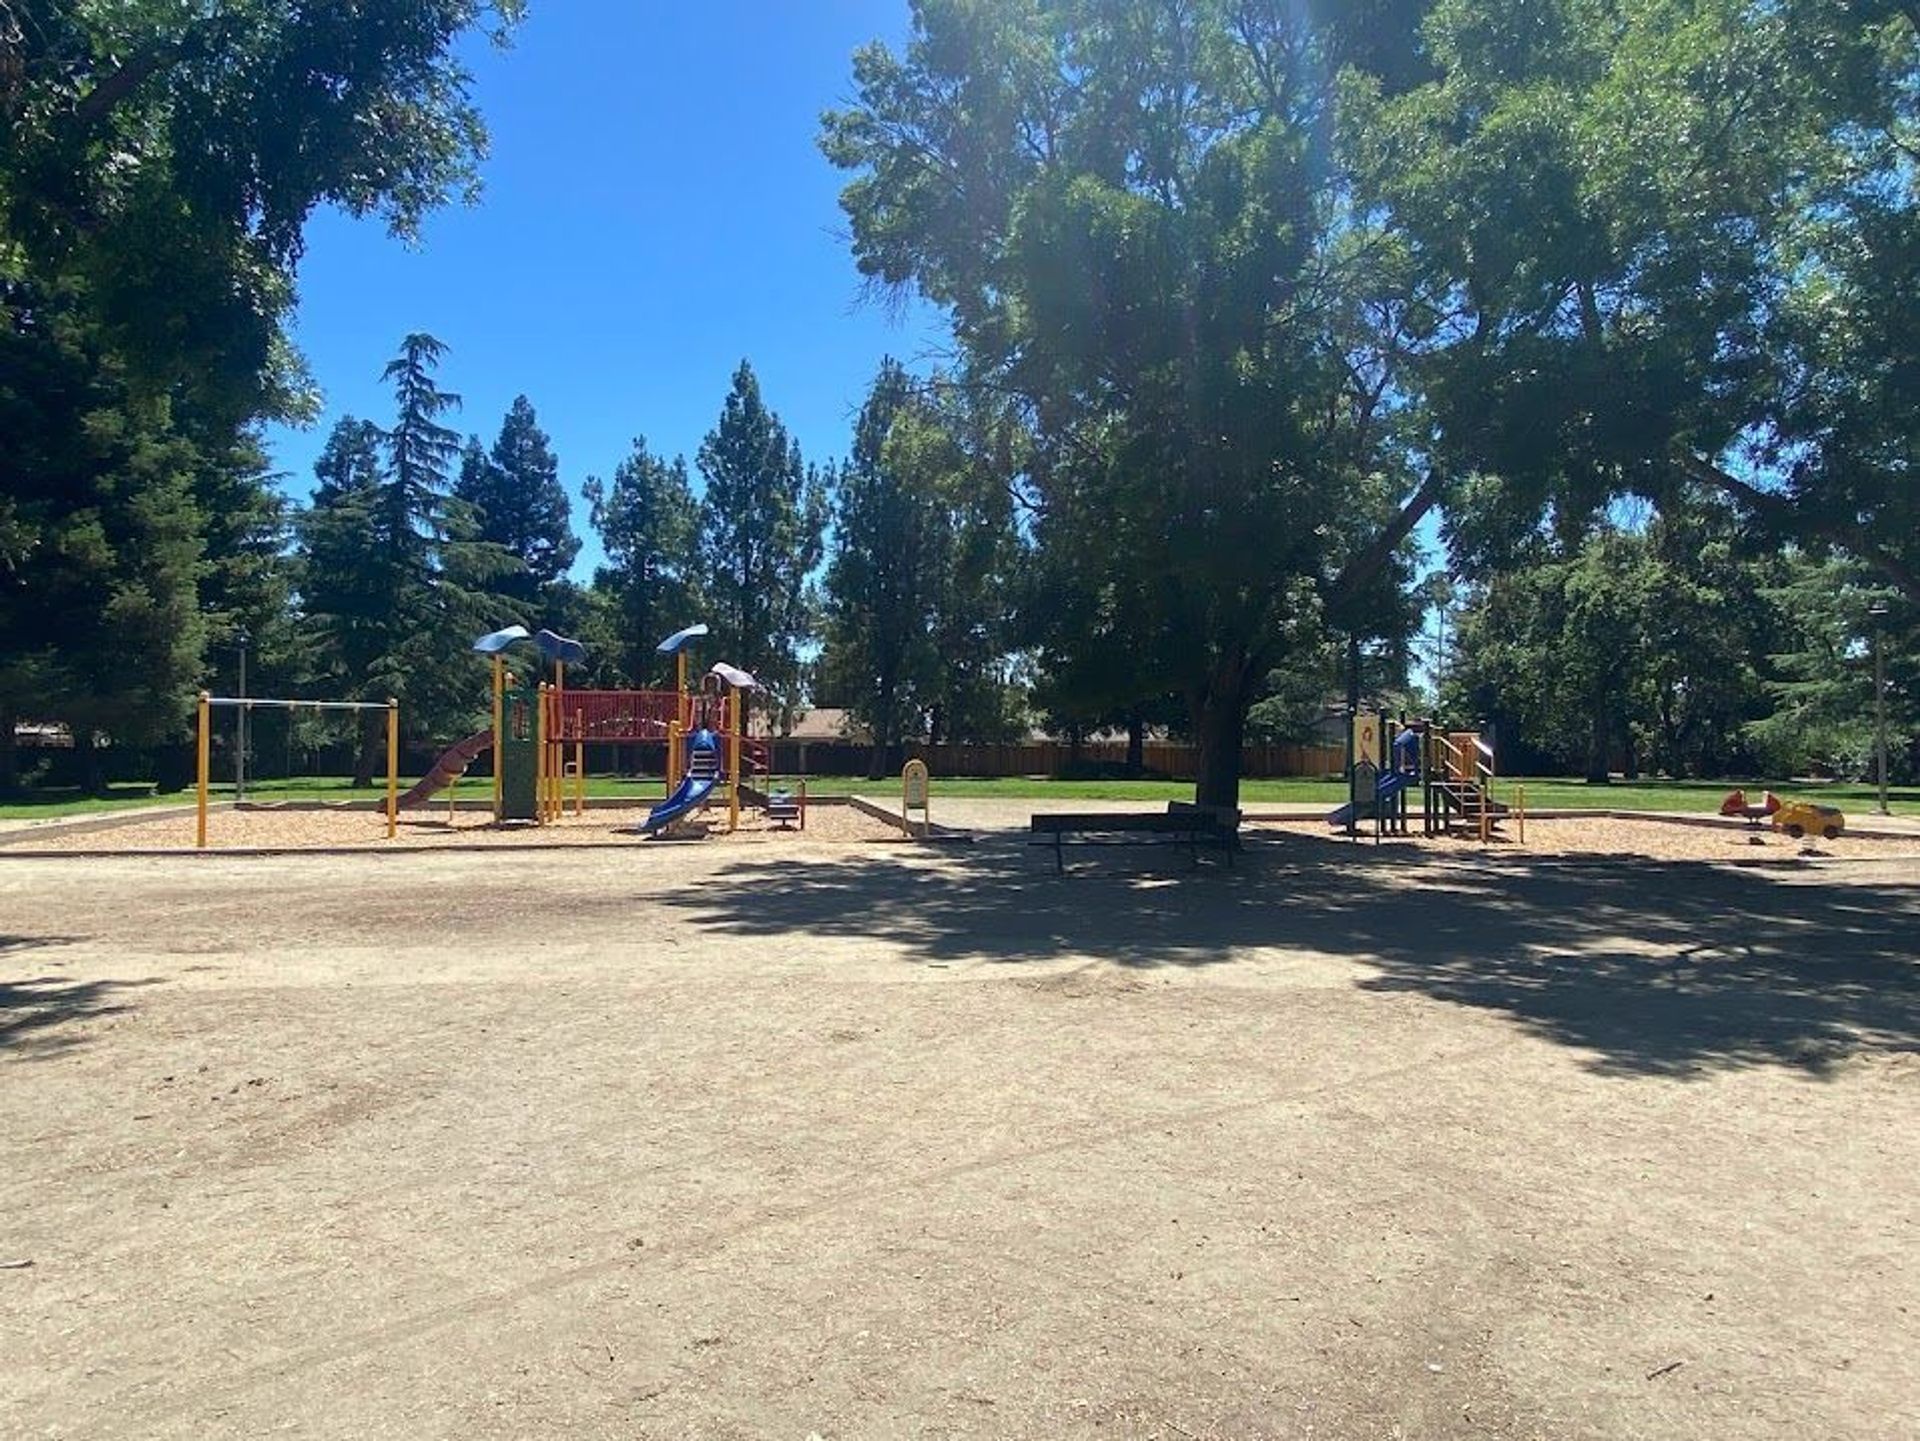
(921, 570)
(157, 165)
(881, 654)
(519, 504)
(1127, 212)
(762, 517)
(646, 519)
(1649, 645)
(1664, 235)
(396, 584)
(162, 160)
(101, 551)
(1821, 715)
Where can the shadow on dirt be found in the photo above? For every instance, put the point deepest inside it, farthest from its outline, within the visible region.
(38, 1016)
(1655, 969)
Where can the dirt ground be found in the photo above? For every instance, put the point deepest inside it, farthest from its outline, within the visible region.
(876, 1141)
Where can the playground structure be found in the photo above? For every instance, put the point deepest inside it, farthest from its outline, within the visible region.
(203, 748)
(544, 728)
(1454, 772)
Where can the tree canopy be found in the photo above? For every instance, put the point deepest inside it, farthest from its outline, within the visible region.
(1130, 214)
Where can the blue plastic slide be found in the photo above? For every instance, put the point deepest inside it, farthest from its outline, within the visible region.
(688, 796)
(1390, 784)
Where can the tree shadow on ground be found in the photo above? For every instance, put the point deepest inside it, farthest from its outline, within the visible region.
(38, 1016)
(1654, 968)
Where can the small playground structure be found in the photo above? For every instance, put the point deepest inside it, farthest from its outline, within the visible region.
(1453, 771)
(1798, 819)
(543, 730)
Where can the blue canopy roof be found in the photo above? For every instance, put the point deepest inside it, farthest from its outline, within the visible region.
(497, 641)
(673, 643)
(558, 647)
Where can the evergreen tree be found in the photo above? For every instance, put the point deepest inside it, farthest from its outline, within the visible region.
(881, 654)
(962, 454)
(761, 520)
(1821, 682)
(157, 166)
(346, 589)
(396, 585)
(646, 523)
(100, 545)
(520, 506)
(917, 588)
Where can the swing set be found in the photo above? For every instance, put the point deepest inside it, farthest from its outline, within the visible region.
(247, 704)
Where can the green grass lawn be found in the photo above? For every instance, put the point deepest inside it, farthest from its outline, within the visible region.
(1542, 793)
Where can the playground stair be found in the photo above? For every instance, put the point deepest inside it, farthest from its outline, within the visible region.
(1468, 799)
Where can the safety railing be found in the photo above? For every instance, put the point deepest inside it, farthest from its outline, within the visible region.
(616, 716)
(1483, 775)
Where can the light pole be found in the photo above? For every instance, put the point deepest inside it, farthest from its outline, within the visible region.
(240, 750)
(1877, 613)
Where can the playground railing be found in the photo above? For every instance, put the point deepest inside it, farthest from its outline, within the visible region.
(617, 715)
(1484, 776)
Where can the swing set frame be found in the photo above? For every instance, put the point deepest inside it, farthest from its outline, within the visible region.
(209, 703)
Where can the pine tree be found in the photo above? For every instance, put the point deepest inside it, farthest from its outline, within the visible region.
(346, 589)
(761, 521)
(520, 505)
(395, 583)
(880, 655)
(100, 545)
(646, 523)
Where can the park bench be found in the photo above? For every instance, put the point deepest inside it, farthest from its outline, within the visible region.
(1196, 825)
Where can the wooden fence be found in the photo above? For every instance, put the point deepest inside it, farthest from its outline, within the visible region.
(1048, 758)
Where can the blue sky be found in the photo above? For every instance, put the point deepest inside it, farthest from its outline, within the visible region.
(655, 210)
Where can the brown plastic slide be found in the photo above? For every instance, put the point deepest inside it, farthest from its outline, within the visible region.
(449, 768)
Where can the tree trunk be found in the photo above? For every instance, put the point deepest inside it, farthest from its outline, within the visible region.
(1219, 725)
(1136, 745)
(1598, 771)
(9, 752)
(886, 733)
(367, 758)
(93, 776)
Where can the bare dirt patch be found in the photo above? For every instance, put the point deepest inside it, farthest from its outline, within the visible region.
(847, 1141)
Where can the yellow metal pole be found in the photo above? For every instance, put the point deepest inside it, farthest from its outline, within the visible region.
(733, 766)
(683, 719)
(673, 751)
(540, 756)
(559, 769)
(579, 762)
(393, 767)
(499, 740)
(205, 751)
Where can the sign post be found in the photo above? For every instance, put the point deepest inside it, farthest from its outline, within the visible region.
(913, 797)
